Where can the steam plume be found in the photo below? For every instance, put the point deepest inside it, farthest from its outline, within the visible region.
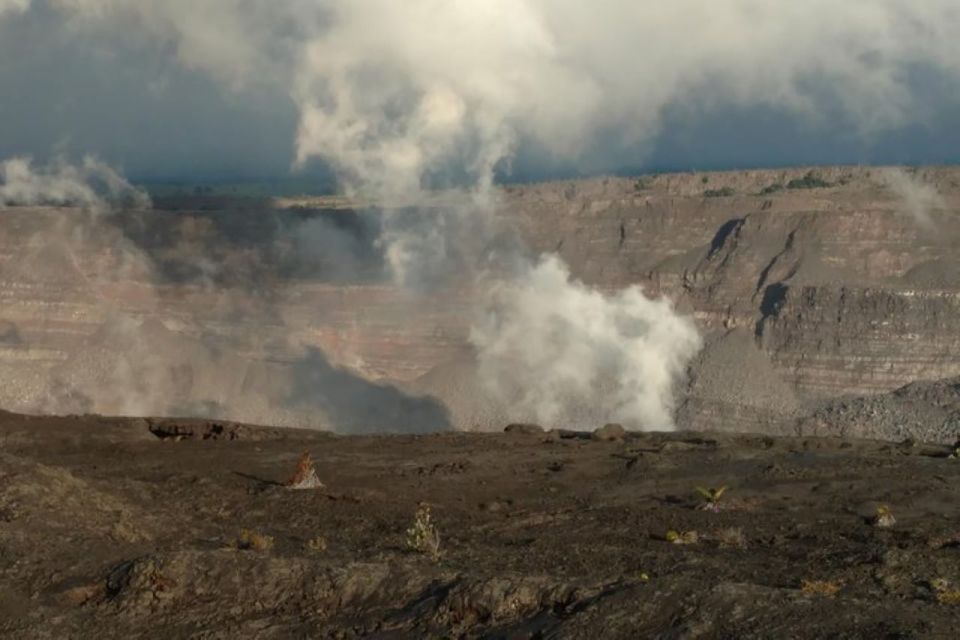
(553, 350)
(91, 185)
(87, 240)
(13, 6)
(920, 199)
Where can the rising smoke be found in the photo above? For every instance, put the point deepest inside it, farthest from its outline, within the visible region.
(402, 98)
(920, 200)
(13, 6)
(554, 350)
(91, 185)
(87, 243)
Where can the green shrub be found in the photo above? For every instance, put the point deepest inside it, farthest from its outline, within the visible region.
(776, 187)
(726, 192)
(809, 181)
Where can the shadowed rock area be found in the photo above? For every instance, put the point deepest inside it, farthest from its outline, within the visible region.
(119, 528)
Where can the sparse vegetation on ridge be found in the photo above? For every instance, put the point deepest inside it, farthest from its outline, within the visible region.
(809, 181)
(776, 187)
(725, 192)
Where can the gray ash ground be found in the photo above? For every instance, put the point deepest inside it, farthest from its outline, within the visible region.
(109, 531)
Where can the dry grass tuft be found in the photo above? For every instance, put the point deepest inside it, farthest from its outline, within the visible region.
(249, 540)
(944, 592)
(682, 537)
(423, 536)
(317, 545)
(305, 476)
(711, 497)
(820, 588)
(884, 517)
(731, 537)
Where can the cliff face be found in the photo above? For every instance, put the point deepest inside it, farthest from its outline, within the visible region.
(826, 339)
(846, 279)
(807, 285)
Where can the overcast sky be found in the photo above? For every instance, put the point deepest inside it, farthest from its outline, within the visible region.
(85, 76)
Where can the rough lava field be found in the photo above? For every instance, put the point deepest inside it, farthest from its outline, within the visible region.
(119, 528)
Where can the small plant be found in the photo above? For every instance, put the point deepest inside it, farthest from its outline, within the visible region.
(884, 517)
(249, 540)
(809, 181)
(682, 537)
(776, 187)
(725, 192)
(955, 454)
(305, 476)
(820, 588)
(711, 498)
(944, 592)
(423, 536)
(731, 537)
(317, 545)
(642, 184)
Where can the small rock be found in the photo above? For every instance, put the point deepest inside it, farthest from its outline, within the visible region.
(83, 594)
(495, 506)
(522, 428)
(609, 433)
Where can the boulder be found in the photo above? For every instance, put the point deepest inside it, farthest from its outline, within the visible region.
(609, 433)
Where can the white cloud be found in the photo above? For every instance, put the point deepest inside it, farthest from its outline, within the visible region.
(390, 90)
(13, 6)
(552, 350)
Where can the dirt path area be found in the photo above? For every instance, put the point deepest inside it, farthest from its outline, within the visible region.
(109, 531)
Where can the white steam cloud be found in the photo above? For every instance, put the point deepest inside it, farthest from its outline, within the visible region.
(554, 350)
(104, 269)
(920, 200)
(91, 185)
(403, 96)
(13, 6)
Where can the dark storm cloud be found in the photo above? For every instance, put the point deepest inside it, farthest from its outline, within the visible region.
(174, 90)
(132, 105)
